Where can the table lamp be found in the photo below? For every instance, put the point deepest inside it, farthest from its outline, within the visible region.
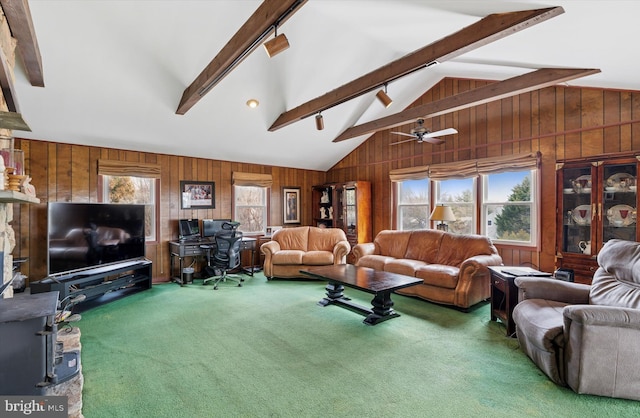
(442, 213)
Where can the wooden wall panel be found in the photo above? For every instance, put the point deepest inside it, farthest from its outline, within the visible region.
(561, 122)
(68, 173)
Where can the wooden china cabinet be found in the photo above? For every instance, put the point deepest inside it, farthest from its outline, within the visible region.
(346, 206)
(597, 201)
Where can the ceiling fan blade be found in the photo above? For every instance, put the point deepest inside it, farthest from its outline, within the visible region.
(431, 140)
(405, 134)
(402, 142)
(448, 131)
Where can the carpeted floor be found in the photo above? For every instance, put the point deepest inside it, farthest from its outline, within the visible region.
(268, 350)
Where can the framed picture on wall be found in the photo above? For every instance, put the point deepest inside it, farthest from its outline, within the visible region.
(291, 205)
(197, 194)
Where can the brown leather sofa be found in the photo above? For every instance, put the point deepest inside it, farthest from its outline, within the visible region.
(292, 249)
(453, 267)
(586, 336)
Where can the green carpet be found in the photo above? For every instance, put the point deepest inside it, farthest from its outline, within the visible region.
(268, 350)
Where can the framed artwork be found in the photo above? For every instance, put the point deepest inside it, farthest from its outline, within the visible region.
(197, 194)
(291, 205)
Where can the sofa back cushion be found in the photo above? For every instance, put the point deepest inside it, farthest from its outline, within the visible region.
(392, 243)
(454, 249)
(292, 238)
(424, 245)
(324, 239)
(617, 280)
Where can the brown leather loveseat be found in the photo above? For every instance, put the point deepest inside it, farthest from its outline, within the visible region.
(292, 249)
(453, 267)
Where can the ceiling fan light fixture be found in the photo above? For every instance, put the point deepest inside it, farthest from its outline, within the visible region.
(276, 45)
(384, 97)
(319, 122)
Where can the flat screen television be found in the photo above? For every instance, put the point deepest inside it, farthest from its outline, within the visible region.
(211, 226)
(189, 228)
(84, 235)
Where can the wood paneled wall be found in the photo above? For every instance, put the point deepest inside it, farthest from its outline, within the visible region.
(68, 173)
(561, 122)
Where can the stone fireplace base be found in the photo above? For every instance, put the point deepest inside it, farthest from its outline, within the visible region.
(72, 388)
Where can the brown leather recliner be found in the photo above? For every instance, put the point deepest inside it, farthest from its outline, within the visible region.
(292, 249)
(586, 337)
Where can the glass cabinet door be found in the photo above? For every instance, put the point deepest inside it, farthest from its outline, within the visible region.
(350, 210)
(618, 208)
(579, 210)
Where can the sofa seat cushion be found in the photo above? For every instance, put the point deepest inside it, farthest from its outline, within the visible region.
(284, 257)
(317, 258)
(542, 321)
(374, 261)
(439, 275)
(403, 266)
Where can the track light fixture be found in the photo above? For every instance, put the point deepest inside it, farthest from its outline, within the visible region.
(319, 122)
(276, 45)
(384, 97)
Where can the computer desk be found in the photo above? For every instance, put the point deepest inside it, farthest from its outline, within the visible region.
(185, 249)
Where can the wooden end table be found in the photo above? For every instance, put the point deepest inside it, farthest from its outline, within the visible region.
(504, 293)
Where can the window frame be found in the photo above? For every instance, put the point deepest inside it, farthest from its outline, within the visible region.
(398, 204)
(533, 204)
(480, 203)
(103, 190)
(267, 210)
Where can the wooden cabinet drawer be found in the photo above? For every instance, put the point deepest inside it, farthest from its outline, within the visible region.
(499, 284)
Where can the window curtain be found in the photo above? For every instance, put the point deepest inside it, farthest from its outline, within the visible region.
(409, 173)
(251, 179)
(127, 168)
(468, 168)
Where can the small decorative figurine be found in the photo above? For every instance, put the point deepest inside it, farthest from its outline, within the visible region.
(323, 213)
(325, 197)
(28, 188)
(330, 213)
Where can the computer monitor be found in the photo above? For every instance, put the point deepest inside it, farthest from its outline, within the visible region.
(211, 226)
(189, 228)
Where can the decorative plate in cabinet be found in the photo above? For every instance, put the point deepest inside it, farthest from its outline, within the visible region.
(582, 215)
(621, 215)
(621, 182)
(582, 184)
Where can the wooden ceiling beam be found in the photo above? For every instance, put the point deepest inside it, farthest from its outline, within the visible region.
(538, 79)
(21, 25)
(490, 28)
(246, 39)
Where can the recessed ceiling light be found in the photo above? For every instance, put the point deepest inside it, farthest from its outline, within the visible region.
(252, 103)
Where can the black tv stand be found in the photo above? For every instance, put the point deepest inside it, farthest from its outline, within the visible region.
(97, 281)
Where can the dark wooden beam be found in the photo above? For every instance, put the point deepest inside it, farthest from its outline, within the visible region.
(6, 83)
(245, 40)
(13, 121)
(21, 25)
(489, 29)
(538, 79)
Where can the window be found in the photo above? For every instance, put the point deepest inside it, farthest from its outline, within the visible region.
(250, 208)
(508, 209)
(413, 204)
(502, 191)
(133, 190)
(459, 195)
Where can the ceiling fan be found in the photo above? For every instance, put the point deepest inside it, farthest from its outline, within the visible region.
(422, 134)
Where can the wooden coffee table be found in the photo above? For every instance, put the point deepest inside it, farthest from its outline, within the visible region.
(380, 283)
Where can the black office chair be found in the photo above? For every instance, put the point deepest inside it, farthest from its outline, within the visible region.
(225, 256)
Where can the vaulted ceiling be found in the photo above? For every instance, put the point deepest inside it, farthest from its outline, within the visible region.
(115, 72)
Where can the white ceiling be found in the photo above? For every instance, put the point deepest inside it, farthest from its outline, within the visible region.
(115, 71)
